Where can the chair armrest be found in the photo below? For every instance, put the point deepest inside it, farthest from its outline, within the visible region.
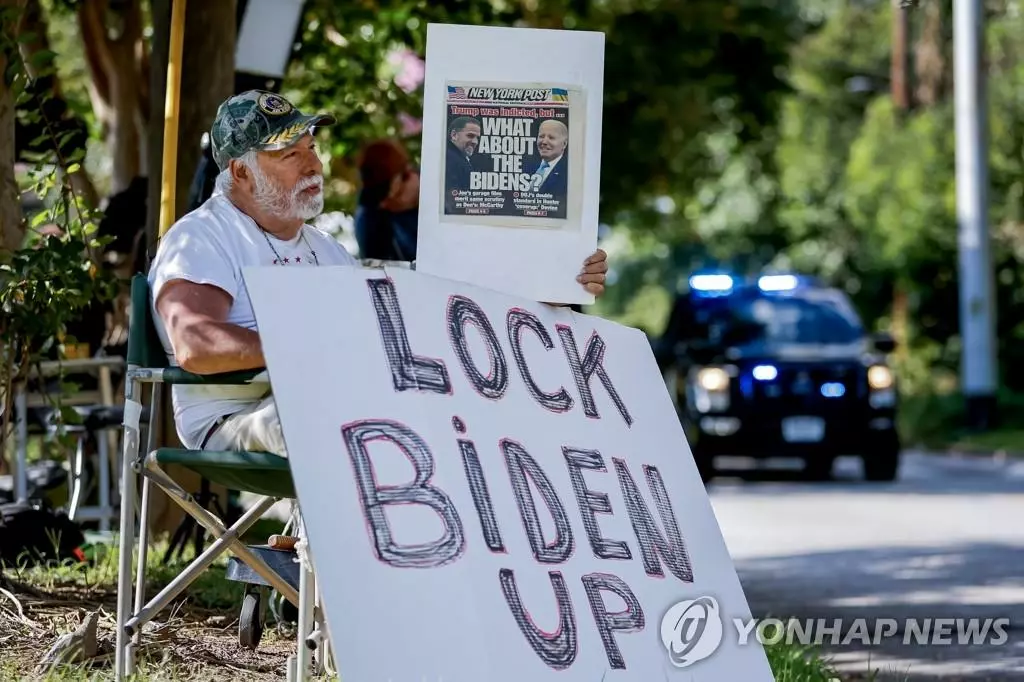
(176, 375)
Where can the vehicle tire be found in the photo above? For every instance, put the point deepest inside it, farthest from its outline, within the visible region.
(882, 461)
(819, 467)
(250, 620)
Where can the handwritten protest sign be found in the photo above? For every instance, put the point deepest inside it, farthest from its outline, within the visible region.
(493, 489)
(510, 173)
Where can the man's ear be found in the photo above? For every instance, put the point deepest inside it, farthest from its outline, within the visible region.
(239, 171)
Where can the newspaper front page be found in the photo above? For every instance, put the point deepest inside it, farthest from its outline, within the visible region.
(513, 155)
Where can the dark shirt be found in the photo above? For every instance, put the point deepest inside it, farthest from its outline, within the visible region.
(556, 182)
(383, 235)
(457, 167)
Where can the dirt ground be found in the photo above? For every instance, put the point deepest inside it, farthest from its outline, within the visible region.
(186, 642)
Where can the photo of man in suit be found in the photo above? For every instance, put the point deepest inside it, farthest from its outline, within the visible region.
(551, 171)
(463, 138)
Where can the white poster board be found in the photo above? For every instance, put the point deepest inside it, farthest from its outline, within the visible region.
(463, 459)
(511, 157)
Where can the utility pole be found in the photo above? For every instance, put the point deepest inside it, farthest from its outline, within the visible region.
(899, 70)
(977, 305)
(899, 91)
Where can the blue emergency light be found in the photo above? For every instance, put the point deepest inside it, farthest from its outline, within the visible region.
(711, 283)
(778, 282)
(833, 390)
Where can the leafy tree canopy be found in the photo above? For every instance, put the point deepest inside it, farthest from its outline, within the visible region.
(675, 73)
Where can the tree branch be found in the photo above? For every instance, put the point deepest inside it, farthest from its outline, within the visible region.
(96, 46)
(33, 22)
(12, 226)
(142, 62)
(131, 24)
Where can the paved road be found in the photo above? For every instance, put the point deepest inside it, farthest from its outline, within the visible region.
(945, 541)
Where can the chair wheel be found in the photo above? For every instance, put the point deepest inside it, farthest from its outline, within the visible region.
(251, 620)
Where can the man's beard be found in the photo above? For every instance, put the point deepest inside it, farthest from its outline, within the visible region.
(276, 200)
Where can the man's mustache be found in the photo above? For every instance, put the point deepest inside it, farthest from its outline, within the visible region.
(306, 183)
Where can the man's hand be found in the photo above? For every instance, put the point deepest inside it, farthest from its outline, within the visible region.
(593, 275)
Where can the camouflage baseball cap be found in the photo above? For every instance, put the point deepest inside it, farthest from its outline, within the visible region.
(259, 120)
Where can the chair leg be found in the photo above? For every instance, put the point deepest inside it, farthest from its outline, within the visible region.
(103, 446)
(77, 478)
(21, 440)
(227, 539)
(123, 665)
(223, 535)
(178, 540)
(140, 578)
(320, 638)
(306, 607)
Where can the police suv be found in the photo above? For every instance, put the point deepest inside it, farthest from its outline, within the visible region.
(780, 366)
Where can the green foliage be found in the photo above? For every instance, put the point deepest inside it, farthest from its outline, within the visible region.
(933, 419)
(900, 193)
(795, 663)
(71, 70)
(899, 201)
(663, 105)
(47, 282)
(846, 187)
(350, 57)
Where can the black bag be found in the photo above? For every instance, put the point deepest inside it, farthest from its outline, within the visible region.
(31, 534)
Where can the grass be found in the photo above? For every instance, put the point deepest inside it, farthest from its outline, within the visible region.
(935, 421)
(194, 639)
(1007, 440)
(792, 662)
(204, 646)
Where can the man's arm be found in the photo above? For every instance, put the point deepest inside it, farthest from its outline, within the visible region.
(204, 343)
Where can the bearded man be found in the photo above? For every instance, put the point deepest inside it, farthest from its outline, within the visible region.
(270, 185)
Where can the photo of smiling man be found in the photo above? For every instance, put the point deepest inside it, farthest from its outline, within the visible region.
(550, 174)
(507, 155)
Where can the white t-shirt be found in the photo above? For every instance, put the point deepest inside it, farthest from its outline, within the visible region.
(211, 245)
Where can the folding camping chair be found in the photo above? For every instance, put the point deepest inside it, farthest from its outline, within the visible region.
(261, 473)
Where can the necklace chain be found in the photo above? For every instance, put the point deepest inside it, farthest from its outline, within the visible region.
(283, 261)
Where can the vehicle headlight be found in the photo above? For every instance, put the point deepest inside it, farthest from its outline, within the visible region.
(713, 379)
(880, 377)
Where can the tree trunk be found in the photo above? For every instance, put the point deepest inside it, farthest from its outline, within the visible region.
(118, 88)
(32, 22)
(207, 79)
(160, 14)
(12, 229)
(899, 71)
(930, 60)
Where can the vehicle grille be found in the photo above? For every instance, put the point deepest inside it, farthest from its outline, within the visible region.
(800, 389)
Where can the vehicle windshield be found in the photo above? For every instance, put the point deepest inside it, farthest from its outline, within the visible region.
(812, 317)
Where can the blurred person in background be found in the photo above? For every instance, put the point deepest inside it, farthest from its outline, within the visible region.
(387, 214)
(388, 206)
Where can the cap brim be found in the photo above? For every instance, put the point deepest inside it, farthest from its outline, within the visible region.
(290, 135)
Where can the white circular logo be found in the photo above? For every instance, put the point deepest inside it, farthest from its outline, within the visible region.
(691, 631)
(273, 104)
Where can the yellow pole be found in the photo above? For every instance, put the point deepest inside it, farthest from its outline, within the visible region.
(168, 185)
